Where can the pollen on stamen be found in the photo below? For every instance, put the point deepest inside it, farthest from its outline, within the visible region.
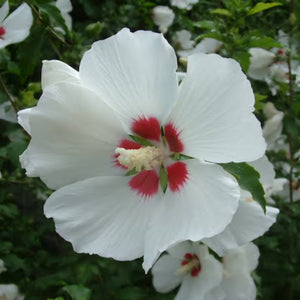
(148, 128)
(126, 144)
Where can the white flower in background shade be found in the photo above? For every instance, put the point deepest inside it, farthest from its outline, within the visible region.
(16, 27)
(183, 39)
(260, 62)
(237, 283)
(273, 126)
(203, 277)
(184, 4)
(207, 45)
(10, 292)
(65, 7)
(191, 266)
(249, 222)
(7, 112)
(2, 265)
(163, 17)
(127, 84)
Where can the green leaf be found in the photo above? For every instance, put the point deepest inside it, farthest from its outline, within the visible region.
(140, 140)
(221, 11)
(53, 12)
(258, 101)
(78, 292)
(248, 179)
(206, 24)
(264, 42)
(163, 178)
(131, 172)
(243, 57)
(261, 7)
(179, 156)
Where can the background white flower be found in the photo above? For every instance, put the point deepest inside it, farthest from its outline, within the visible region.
(65, 7)
(10, 292)
(273, 126)
(16, 27)
(184, 4)
(191, 266)
(163, 17)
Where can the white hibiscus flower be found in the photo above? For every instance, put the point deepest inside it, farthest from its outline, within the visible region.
(191, 266)
(184, 4)
(273, 126)
(249, 222)
(163, 17)
(65, 7)
(207, 45)
(123, 113)
(16, 27)
(10, 292)
(203, 277)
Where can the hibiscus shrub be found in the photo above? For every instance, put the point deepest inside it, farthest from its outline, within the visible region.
(263, 37)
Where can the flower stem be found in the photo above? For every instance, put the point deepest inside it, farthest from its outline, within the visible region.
(10, 97)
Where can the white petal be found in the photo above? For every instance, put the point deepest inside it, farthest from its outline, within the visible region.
(163, 16)
(196, 288)
(180, 249)
(135, 73)
(101, 216)
(54, 71)
(17, 24)
(248, 223)
(237, 282)
(164, 272)
(4, 11)
(252, 254)
(260, 62)
(214, 112)
(202, 208)
(64, 5)
(74, 135)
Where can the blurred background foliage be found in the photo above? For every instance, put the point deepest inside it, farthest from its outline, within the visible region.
(42, 264)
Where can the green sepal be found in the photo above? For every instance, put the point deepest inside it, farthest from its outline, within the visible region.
(163, 178)
(179, 156)
(140, 140)
(248, 179)
(131, 172)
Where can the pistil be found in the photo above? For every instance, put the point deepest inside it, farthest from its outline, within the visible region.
(145, 158)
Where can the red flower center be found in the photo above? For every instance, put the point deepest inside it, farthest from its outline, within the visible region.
(147, 131)
(192, 264)
(2, 32)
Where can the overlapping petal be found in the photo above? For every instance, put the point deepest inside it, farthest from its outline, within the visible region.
(248, 223)
(73, 136)
(101, 216)
(214, 112)
(135, 73)
(55, 71)
(202, 208)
